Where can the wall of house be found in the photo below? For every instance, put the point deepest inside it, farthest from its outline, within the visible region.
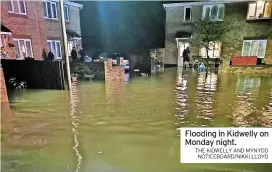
(74, 23)
(237, 11)
(257, 28)
(174, 23)
(28, 26)
(268, 53)
(54, 30)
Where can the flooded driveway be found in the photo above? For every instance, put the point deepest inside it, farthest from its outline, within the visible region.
(130, 127)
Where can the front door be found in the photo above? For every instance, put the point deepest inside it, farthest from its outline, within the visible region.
(181, 47)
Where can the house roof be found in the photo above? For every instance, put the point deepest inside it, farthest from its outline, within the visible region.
(5, 29)
(182, 34)
(72, 33)
(68, 2)
(207, 2)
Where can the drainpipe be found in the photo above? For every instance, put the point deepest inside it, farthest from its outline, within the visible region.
(65, 44)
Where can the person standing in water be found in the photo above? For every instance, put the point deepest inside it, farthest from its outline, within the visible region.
(186, 56)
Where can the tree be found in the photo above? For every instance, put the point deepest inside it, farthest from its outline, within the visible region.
(208, 33)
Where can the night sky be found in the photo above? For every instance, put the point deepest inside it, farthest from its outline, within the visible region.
(129, 27)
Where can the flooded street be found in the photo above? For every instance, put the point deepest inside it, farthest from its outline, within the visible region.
(130, 127)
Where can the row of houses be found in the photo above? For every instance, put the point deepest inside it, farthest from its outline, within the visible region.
(254, 35)
(31, 28)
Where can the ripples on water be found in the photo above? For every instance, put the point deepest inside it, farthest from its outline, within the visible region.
(74, 100)
(129, 126)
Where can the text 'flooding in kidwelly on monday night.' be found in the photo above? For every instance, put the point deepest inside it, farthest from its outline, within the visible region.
(225, 145)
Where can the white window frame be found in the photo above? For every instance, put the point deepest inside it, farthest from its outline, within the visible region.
(261, 40)
(206, 6)
(12, 6)
(184, 14)
(214, 49)
(51, 4)
(56, 41)
(255, 11)
(66, 8)
(27, 55)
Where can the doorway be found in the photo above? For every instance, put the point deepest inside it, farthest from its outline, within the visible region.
(181, 47)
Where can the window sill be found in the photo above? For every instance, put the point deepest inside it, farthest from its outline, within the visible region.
(11, 14)
(256, 18)
(51, 20)
(214, 20)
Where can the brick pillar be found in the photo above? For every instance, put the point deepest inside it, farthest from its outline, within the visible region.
(4, 95)
(121, 61)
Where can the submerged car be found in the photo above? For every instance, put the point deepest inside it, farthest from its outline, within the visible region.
(125, 64)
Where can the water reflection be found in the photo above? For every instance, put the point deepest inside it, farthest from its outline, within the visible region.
(127, 76)
(245, 112)
(126, 127)
(114, 91)
(181, 94)
(269, 106)
(206, 86)
(75, 122)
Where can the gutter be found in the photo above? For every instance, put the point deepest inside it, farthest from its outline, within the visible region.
(181, 4)
(67, 2)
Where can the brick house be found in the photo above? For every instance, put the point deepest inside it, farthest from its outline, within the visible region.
(34, 26)
(255, 34)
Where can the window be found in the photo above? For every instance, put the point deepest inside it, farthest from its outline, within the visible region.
(260, 9)
(187, 14)
(50, 10)
(55, 48)
(213, 52)
(23, 48)
(17, 6)
(66, 13)
(213, 12)
(254, 48)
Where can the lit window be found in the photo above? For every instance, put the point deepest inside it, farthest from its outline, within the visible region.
(23, 48)
(50, 10)
(55, 48)
(260, 9)
(254, 48)
(66, 13)
(213, 12)
(187, 14)
(213, 52)
(17, 6)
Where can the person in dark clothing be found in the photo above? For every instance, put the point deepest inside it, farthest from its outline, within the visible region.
(186, 56)
(44, 55)
(74, 54)
(82, 54)
(50, 55)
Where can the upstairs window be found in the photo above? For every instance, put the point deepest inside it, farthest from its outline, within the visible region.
(213, 12)
(187, 14)
(17, 7)
(259, 9)
(254, 48)
(50, 10)
(66, 13)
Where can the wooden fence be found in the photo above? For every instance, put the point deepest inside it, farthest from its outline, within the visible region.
(36, 74)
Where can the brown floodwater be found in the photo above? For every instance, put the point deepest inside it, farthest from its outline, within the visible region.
(130, 126)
